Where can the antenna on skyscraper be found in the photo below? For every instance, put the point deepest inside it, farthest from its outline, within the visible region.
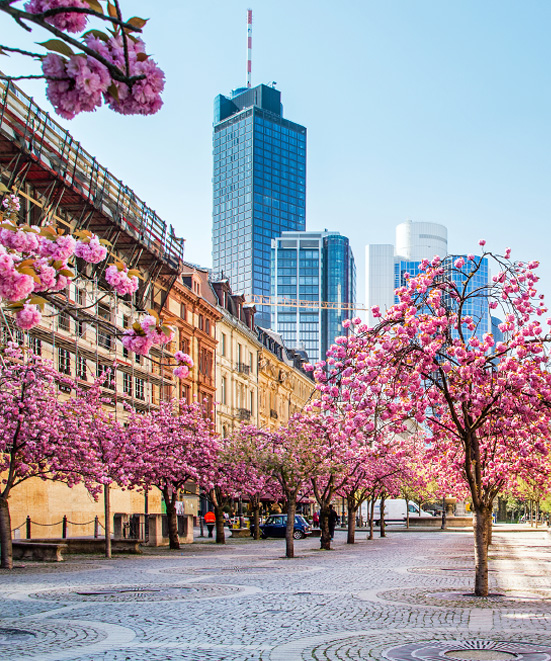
(249, 44)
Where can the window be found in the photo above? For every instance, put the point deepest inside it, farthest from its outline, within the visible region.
(35, 345)
(102, 369)
(64, 322)
(207, 327)
(223, 390)
(223, 343)
(201, 322)
(140, 389)
(183, 311)
(104, 339)
(81, 296)
(63, 361)
(81, 368)
(127, 384)
(81, 329)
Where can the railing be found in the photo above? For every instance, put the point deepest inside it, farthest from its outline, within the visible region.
(243, 368)
(243, 414)
(33, 130)
(64, 523)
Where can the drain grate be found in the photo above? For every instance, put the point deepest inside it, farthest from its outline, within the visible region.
(469, 650)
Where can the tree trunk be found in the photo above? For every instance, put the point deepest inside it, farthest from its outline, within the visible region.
(289, 539)
(170, 503)
(481, 551)
(107, 511)
(382, 521)
(5, 535)
(220, 534)
(351, 529)
(371, 517)
(256, 521)
(490, 523)
(325, 538)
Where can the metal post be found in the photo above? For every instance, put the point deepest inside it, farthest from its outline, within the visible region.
(64, 528)
(96, 527)
(28, 527)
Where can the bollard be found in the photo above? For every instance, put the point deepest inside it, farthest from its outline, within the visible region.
(28, 527)
(64, 528)
(96, 527)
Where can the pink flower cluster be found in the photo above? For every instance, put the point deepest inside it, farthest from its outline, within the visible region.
(91, 250)
(28, 317)
(67, 21)
(185, 363)
(140, 341)
(75, 85)
(121, 282)
(144, 97)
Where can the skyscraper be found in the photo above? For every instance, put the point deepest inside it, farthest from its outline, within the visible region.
(259, 186)
(387, 266)
(316, 267)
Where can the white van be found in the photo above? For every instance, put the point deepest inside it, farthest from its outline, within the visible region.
(395, 510)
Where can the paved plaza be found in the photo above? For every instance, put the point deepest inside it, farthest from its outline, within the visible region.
(399, 598)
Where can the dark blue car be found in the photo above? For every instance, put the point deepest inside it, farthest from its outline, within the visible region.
(276, 525)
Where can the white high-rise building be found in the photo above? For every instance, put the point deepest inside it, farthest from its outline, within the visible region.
(386, 264)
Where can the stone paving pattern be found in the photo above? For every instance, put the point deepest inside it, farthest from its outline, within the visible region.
(245, 602)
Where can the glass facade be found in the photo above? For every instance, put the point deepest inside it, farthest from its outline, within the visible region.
(259, 186)
(313, 267)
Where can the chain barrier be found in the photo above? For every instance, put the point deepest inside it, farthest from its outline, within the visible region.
(28, 523)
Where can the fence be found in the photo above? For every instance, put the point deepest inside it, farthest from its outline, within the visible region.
(28, 524)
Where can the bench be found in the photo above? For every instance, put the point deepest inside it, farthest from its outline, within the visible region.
(240, 532)
(92, 544)
(46, 551)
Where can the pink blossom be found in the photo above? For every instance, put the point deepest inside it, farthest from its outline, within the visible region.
(459, 263)
(139, 344)
(68, 22)
(482, 243)
(144, 98)
(120, 281)
(183, 358)
(75, 85)
(91, 250)
(181, 372)
(28, 317)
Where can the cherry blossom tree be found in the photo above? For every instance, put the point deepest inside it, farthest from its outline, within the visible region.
(168, 447)
(36, 438)
(87, 415)
(84, 66)
(484, 403)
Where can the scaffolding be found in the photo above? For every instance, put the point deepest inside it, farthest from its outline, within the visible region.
(34, 149)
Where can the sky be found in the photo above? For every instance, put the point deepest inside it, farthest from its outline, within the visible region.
(424, 110)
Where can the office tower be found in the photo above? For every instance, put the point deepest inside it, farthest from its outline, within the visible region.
(387, 266)
(259, 186)
(317, 267)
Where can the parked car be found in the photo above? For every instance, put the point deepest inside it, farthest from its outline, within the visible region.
(276, 525)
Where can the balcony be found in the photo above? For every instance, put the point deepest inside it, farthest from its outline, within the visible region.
(243, 368)
(243, 414)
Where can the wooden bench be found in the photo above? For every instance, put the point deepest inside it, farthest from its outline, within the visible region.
(45, 551)
(240, 532)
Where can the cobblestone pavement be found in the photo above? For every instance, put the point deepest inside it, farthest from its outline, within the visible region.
(408, 596)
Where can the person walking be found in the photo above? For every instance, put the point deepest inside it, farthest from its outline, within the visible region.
(210, 520)
(333, 516)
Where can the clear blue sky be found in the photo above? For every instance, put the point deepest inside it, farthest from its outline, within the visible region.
(429, 110)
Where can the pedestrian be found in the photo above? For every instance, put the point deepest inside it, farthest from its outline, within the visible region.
(210, 520)
(316, 519)
(333, 516)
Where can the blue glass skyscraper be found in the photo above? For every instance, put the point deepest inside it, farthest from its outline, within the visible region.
(259, 186)
(314, 267)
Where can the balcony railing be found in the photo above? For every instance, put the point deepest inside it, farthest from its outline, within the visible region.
(243, 368)
(243, 414)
